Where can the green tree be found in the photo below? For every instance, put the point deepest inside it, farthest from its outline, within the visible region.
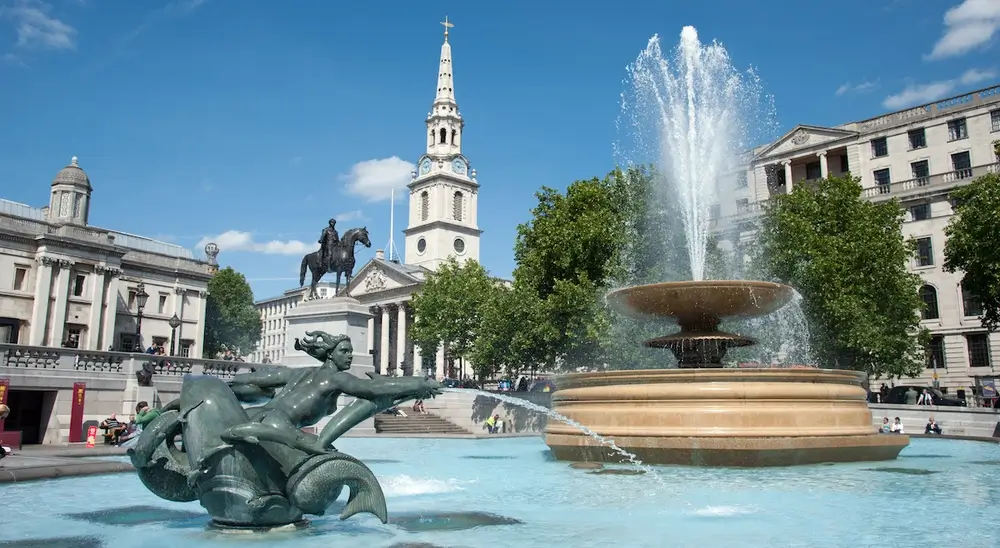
(231, 320)
(513, 335)
(449, 308)
(973, 244)
(848, 259)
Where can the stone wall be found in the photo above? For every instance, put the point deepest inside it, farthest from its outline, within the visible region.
(470, 409)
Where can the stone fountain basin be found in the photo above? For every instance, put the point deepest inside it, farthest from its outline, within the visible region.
(702, 302)
(719, 417)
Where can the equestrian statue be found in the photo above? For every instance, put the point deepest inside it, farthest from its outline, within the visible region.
(243, 453)
(335, 254)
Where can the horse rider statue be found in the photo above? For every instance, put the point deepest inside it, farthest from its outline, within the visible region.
(328, 242)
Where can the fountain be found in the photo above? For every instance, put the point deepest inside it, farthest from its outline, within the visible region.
(701, 413)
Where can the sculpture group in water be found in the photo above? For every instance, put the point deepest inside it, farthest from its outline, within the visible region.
(243, 453)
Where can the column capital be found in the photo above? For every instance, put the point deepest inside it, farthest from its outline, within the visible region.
(45, 260)
(203, 294)
(110, 271)
(180, 290)
(786, 162)
(822, 153)
(376, 309)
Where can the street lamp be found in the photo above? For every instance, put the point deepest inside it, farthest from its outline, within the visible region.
(174, 322)
(140, 300)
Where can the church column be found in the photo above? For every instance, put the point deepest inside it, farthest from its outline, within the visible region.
(824, 167)
(370, 344)
(58, 327)
(179, 293)
(40, 310)
(401, 336)
(442, 370)
(96, 306)
(110, 308)
(383, 354)
(788, 176)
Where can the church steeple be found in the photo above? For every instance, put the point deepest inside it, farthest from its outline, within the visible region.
(444, 123)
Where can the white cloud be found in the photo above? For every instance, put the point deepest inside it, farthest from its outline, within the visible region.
(36, 29)
(968, 26)
(916, 94)
(238, 240)
(375, 179)
(348, 216)
(859, 88)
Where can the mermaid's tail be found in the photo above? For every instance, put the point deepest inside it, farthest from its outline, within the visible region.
(161, 467)
(320, 480)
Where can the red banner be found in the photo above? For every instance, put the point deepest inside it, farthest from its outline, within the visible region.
(4, 387)
(76, 412)
(91, 437)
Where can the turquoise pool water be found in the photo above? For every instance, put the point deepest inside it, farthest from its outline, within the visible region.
(509, 492)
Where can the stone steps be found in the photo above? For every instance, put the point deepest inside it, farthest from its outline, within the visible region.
(415, 423)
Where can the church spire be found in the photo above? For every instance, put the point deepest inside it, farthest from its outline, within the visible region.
(444, 123)
(446, 85)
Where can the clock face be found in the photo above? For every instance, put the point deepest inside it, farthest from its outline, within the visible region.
(425, 166)
(458, 166)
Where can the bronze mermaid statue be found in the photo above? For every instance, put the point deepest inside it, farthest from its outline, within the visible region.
(244, 455)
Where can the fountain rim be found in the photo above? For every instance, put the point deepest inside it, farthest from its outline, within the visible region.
(753, 305)
(568, 381)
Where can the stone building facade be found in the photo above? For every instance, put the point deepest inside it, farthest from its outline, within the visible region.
(917, 156)
(65, 282)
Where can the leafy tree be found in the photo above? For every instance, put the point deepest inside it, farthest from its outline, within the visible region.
(513, 334)
(449, 309)
(231, 320)
(848, 259)
(973, 244)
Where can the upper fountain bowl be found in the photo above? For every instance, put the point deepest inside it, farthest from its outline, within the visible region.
(699, 303)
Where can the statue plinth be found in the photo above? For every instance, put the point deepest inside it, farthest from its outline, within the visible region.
(703, 415)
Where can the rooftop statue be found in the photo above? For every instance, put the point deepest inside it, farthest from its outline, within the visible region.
(254, 467)
(335, 255)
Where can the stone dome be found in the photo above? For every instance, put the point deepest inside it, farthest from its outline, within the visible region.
(72, 175)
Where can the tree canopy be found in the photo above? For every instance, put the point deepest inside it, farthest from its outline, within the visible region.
(973, 244)
(848, 259)
(231, 320)
(450, 308)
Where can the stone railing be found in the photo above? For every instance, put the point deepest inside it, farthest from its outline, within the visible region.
(930, 183)
(35, 360)
(930, 109)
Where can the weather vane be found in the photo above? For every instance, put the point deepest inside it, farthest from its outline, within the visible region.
(447, 26)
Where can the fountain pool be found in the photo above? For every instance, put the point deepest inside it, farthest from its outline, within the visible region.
(510, 492)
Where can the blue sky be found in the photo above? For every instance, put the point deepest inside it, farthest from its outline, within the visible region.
(258, 120)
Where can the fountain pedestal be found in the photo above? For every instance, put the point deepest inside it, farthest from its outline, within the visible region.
(704, 415)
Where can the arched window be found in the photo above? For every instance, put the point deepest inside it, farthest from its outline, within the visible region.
(929, 295)
(454, 135)
(444, 136)
(970, 304)
(458, 206)
(425, 206)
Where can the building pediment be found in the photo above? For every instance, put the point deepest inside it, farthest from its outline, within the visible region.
(379, 275)
(804, 137)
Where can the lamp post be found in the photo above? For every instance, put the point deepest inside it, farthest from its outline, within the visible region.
(174, 322)
(140, 300)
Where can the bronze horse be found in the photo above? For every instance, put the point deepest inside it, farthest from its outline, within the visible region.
(342, 261)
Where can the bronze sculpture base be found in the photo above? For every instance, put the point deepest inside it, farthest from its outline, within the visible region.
(719, 417)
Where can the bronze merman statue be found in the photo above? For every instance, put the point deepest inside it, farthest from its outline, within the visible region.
(255, 467)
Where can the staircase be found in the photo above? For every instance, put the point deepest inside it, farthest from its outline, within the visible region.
(415, 423)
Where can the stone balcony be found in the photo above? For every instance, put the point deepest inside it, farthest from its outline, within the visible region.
(932, 184)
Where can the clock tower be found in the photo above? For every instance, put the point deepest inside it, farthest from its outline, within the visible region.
(444, 193)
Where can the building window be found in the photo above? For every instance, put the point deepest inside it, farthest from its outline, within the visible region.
(73, 337)
(921, 172)
(742, 205)
(161, 304)
(970, 304)
(79, 285)
(775, 175)
(20, 278)
(425, 206)
(995, 120)
(741, 181)
(421, 246)
(715, 211)
(929, 295)
(813, 171)
(845, 166)
(920, 212)
(131, 299)
(459, 246)
(128, 343)
(925, 252)
(880, 147)
(185, 348)
(935, 352)
(458, 206)
(962, 164)
(917, 137)
(882, 180)
(957, 130)
(979, 349)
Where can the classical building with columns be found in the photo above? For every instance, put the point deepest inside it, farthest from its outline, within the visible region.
(917, 156)
(65, 282)
(443, 223)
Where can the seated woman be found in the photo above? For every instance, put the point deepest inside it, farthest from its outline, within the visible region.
(932, 427)
(886, 427)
